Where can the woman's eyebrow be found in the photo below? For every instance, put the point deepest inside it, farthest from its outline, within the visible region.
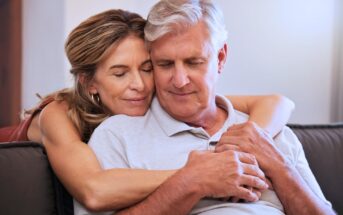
(118, 66)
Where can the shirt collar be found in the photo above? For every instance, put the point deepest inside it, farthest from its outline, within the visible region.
(172, 126)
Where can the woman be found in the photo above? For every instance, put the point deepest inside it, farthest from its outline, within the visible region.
(113, 75)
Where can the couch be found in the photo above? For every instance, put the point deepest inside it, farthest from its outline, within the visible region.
(29, 186)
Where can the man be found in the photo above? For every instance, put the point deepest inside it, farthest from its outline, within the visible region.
(187, 121)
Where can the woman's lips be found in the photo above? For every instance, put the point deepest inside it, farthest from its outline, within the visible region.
(136, 101)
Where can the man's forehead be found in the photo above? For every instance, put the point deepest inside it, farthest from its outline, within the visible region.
(189, 40)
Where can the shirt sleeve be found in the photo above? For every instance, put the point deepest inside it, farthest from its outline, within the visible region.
(295, 153)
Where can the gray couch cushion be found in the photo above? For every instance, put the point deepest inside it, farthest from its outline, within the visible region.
(323, 146)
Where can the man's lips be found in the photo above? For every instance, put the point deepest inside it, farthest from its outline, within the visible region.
(181, 93)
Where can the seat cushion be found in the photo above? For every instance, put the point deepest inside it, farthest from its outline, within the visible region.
(323, 146)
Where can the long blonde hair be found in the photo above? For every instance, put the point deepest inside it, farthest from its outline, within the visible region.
(86, 46)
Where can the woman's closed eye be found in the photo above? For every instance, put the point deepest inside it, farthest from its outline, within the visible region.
(119, 73)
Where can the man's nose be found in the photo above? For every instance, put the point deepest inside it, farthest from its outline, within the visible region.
(137, 82)
(180, 76)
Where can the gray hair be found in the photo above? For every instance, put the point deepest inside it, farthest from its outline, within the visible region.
(174, 15)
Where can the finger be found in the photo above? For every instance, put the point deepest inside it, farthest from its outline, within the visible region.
(229, 140)
(257, 192)
(253, 170)
(235, 199)
(270, 185)
(196, 153)
(226, 147)
(247, 158)
(234, 140)
(234, 132)
(225, 199)
(254, 182)
(246, 194)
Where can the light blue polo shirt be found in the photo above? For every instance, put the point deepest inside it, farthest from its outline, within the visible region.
(156, 141)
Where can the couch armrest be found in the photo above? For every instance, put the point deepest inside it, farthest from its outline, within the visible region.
(323, 146)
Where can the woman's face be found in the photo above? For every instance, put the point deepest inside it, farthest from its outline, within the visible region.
(124, 80)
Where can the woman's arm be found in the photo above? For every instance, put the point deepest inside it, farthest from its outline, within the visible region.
(270, 112)
(78, 168)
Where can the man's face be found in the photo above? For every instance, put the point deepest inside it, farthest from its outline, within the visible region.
(186, 69)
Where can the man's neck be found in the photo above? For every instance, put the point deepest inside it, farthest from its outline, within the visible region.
(211, 121)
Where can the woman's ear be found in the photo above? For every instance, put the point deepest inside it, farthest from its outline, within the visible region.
(222, 54)
(88, 84)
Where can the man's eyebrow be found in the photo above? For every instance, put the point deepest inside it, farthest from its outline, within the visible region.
(196, 58)
(163, 60)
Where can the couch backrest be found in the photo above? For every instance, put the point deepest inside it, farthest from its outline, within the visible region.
(323, 146)
(27, 184)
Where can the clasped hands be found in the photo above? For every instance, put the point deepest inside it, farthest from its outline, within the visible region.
(239, 167)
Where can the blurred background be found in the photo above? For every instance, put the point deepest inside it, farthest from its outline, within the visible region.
(291, 47)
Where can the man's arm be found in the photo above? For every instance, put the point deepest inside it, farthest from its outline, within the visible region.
(293, 192)
(206, 174)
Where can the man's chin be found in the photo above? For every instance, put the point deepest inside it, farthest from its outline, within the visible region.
(180, 113)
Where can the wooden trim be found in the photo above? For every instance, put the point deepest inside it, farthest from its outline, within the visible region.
(10, 65)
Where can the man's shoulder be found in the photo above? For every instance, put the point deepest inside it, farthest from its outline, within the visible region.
(123, 122)
(118, 128)
(287, 133)
(288, 143)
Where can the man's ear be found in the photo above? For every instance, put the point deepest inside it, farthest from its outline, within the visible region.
(88, 84)
(222, 54)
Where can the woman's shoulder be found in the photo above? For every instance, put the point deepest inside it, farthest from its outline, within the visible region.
(122, 123)
(56, 106)
(55, 123)
(54, 110)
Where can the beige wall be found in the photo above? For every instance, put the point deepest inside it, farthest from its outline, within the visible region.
(274, 46)
(43, 54)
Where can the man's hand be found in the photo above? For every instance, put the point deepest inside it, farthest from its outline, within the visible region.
(290, 187)
(248, 137)
(225, 174)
